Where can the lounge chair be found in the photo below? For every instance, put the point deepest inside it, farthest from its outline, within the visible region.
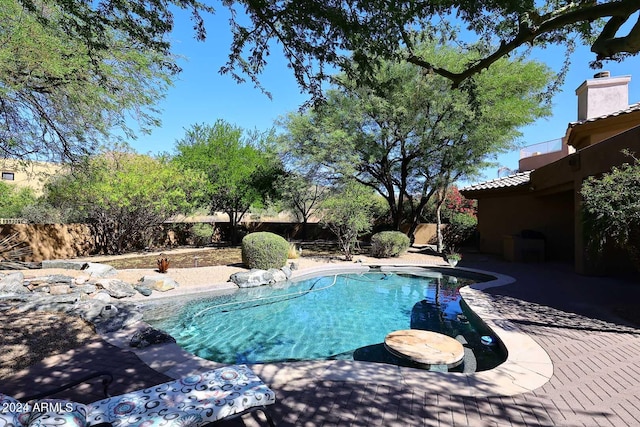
(193, 401)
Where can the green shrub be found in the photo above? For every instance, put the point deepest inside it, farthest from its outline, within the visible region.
(611, 211)
(460, 228)
(264, 250)
(201, 233)
(389, 244)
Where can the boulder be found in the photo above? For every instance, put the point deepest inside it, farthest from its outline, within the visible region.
(149, 336)
(102, 296)
(143, 290)
(116, 318)
(158, 283)
(13, 283)
(59, 278)
(81, 280)
(66, 265)
(252, 278)
(85, 289)
(278, 275)
(59, 289)
(287, 272)
(90, 310)
(100, 270)
(116, 288)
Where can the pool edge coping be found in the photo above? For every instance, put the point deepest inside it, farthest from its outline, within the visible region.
(527, 367)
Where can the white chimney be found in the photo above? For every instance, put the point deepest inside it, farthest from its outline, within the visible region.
(602, 95)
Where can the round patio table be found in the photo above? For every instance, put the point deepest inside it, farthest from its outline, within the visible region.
(425, 347)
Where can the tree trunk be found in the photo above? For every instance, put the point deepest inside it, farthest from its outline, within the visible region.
(233, 229)
(440, 243)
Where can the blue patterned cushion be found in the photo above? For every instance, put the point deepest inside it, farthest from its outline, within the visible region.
(41, 413)
(188, 402)
(56, 412)
(12, 412)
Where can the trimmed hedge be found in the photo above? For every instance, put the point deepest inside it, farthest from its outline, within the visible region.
(264, 250)
(388, 244)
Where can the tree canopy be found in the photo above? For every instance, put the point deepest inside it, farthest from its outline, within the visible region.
(64, 90)
(239, 169)
(123, 195)
(409, 135)
(14, 200)
(314, 34)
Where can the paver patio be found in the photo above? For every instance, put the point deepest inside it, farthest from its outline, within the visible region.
(596, 358)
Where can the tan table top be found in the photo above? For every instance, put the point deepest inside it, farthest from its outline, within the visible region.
(425, 347)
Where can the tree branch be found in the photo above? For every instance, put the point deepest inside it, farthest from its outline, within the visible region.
(605, 47)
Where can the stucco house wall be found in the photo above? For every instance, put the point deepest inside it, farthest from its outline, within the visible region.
(550, 203)
(508, 215)
(32, 175)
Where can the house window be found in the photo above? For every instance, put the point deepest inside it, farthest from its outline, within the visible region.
(8, 176)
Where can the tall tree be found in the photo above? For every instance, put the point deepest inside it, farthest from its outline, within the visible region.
(124, 195)
(348, 213)
(314, 34)
(240, 169)
(14, 200)
(410, 135)
(60, 98)
(301, 196)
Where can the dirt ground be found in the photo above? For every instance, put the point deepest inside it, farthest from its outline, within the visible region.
(29, 337)
(206, 257)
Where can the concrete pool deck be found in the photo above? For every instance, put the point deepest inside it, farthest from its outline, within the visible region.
(595, 356)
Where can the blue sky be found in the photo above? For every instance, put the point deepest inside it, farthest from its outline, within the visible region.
(202, 95)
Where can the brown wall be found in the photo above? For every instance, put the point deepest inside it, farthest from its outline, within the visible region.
(52, 241)
(551, 204)
(550, 215)
(60, 241)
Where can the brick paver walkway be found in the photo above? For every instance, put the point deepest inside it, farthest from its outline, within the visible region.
(596, 359)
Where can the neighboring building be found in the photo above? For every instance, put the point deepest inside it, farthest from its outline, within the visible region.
(536, 213)
(27, 174)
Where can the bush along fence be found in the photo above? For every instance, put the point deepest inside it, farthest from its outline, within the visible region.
(65, 241)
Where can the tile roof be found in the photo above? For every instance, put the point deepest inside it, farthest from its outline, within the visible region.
(630, 109)
(515, 180)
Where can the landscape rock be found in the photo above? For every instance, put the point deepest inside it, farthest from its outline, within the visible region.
(252, 278)
(158, 283)
(59, 289)
(81, 280)
(67, 265)
(89, 310)
(13, 283)
(293, 266)
(100, 270)
(116, 288)
(62, 299)
(102, 296)
(143, 290)
(86, 289)
(125, 315)
(59, 278)
(287, 272)
(149, 336)
(278, 275)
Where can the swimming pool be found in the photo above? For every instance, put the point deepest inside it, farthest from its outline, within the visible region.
(341, 316)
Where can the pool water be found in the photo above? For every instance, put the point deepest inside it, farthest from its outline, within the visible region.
(345, 316)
